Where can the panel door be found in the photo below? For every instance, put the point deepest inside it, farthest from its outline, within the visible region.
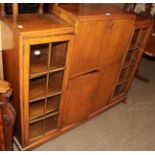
(80, 96)
(106, 83)
(87, 46)
(117, 36)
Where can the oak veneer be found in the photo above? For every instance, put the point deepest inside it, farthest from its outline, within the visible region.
(100, 44)
(69, 67)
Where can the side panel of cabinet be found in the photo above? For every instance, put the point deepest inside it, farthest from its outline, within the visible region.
(117, 38)
(12, 54)
(80, 96)
(106, 81)
(86, 46)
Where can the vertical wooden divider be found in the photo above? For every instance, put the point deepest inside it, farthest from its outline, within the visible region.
(40, 9)
(47, 82)
(15, 11)
(3, 13)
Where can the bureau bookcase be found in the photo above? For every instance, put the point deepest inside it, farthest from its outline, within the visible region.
(100, 44)
(68, 66)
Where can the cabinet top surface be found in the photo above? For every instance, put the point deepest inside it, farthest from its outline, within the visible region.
(88, 10)
(34, 24)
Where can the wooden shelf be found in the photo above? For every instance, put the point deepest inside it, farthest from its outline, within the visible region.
(36, 75)
(45, 115)
(36, 109)
(52, 104)
(52, 70)
(36, 129)
(56, 69)
(55, 82)
(56, 112)
(37, 88)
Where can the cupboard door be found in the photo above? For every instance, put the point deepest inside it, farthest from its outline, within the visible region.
(87, 46)
(80, 96)
(117, 35)
(107, 78)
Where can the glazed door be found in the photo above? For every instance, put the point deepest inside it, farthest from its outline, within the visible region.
(45, 74)
(106, 81)
(118, 32)
(131, 61)
(80, 96)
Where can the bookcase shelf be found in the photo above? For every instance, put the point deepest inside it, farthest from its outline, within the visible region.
(36, 109)
(38, 88)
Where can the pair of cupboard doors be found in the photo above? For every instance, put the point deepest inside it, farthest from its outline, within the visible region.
(99, 48)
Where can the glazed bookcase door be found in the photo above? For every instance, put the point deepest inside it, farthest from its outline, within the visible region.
(46, 69)
(131, 62)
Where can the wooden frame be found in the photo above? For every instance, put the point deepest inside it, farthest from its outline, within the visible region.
(96, 41)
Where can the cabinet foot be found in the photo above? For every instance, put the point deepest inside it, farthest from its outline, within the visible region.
(125, 101)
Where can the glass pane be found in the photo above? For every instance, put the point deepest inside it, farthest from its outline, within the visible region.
(37, 88)
(129, 72)
(117, 90)
(135, 56)
(142, 37)
(39, 58)
(36, 109)
(58, 54)
(52, 103)
(51, 123)
(122, 74)
(134, 39)
(128, 58)
(55, 82)
(120, 89)
(36, 129)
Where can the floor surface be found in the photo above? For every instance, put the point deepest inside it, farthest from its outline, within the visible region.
(123, 127)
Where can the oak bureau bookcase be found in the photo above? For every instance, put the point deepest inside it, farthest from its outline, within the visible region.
(99, 45)
(68, 66)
